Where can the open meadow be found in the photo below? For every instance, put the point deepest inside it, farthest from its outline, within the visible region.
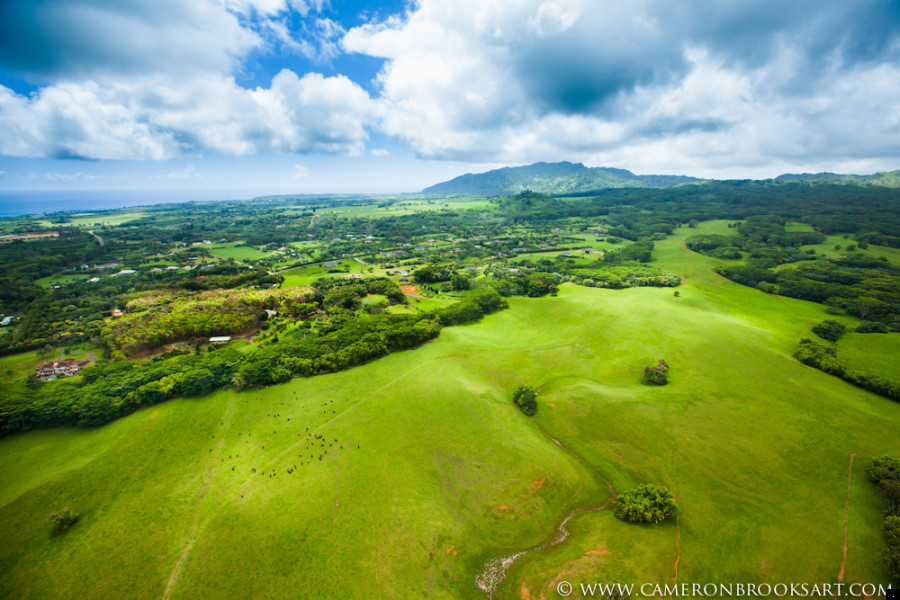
(400, 478)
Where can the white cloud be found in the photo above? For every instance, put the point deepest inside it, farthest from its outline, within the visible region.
(153, 80)
(300, 171)
(189, 172)
(649, 84)
(643, 84)
(79, 176)
(154, 118)
(380, 152)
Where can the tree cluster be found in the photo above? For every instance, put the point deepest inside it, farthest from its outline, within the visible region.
(884, 472)
(526, 399)
(644, 504)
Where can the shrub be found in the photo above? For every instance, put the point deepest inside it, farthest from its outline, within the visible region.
(871, 327)
(644, 504)
(526, 399)
(829, 330)
(63, 519)
(658, 375)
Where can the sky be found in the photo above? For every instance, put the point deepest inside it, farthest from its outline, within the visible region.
(239, 98)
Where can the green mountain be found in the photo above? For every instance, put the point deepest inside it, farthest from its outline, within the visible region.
(566, 178)
(551, 178)
(889, 179)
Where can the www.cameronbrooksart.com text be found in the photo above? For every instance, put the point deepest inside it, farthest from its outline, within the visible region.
(725, 590)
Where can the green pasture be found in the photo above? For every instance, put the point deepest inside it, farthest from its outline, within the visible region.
(238, 252)
(827, 248)
(797, 227)
(307, 275)
(404, 207)
(439, 472)
(875, 353)
(98, 219)
(62, 279)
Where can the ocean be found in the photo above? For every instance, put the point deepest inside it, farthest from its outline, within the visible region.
(14, 204)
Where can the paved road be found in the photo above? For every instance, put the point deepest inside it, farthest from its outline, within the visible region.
(99, 239)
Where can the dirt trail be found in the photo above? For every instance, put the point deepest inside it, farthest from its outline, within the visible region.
(846, 520)
(209, 474)
(494, 570)
(690, 269)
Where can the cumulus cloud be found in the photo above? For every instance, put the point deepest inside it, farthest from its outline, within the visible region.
(300, 172)
(155, 118)
(648, 83)
(153, 79)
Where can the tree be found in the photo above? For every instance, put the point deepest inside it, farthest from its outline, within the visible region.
(460, 282)
(63, 519)
(658, 375)
(644, 504)
(892, 554)
(526, 399)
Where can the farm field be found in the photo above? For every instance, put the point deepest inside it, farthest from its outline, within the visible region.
(431, 471)
(238, 252)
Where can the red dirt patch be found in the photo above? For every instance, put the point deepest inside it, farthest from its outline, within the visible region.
(598, 550)
(537, 483)
(504, 507)
(526, 595)
(410, 290)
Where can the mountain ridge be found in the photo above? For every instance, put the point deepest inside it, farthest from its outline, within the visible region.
(566, 177)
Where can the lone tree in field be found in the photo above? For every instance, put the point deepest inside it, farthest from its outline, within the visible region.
(644, 504)
(63, 519)
(526, 399)
(658, 375)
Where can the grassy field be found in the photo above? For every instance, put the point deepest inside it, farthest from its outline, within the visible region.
(309, 274)
(96, 218)
(61, 278)
(238, 252)
(434, 471)
(827, 248)
(405, 207)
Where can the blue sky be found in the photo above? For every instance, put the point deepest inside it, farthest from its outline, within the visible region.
(252, 97)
